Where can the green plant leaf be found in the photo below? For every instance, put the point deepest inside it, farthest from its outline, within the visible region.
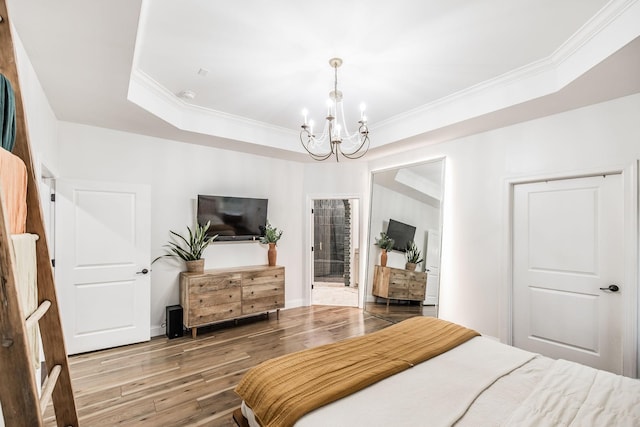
(188, 248)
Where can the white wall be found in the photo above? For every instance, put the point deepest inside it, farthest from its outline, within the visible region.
(177, 173)
(475, 211)
(41, 121)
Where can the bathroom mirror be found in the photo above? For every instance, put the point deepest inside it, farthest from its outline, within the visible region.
(408, 197)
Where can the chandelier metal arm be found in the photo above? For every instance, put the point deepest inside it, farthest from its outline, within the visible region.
(356, 154)
(306, 138)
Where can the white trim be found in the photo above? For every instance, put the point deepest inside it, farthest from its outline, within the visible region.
(630, 362)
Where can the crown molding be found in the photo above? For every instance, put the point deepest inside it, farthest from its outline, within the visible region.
(609, 30)
(150, 95)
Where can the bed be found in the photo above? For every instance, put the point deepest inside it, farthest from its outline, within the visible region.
(477, 381)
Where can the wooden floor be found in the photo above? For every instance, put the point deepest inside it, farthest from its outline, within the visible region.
(186, 382)
(397, 312)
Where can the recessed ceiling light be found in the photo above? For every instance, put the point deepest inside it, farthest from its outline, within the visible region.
(187, 94)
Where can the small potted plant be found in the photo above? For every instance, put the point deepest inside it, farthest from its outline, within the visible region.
(386, 244)
(271, 237)
(190, 249)
(413, 256)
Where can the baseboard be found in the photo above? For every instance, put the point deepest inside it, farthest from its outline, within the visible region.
(295, 303)
(157, 330)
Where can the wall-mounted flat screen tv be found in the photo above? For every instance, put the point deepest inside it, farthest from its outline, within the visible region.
(401, 234)
(233, 218)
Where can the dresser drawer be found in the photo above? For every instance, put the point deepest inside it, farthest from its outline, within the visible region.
(416, 294)
(398, 283)
(205, 301)
(211, 283)
(259, 305)
(221, 312)
(398, 294)
(270, 276)
(261, 291)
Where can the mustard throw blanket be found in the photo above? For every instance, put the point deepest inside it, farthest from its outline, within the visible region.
(282, 390)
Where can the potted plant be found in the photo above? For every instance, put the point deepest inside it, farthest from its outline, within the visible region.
(386, 244)
(190, 248)
(271, 237)
(413, 256)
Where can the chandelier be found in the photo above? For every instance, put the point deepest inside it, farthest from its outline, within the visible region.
(335, 139)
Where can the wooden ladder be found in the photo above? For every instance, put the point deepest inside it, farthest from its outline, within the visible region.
(21, 405)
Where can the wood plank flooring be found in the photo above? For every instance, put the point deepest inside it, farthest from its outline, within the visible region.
(187, 382)
(398, 312)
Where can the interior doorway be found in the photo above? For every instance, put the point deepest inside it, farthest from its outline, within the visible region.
(335, 252)
(568, 255)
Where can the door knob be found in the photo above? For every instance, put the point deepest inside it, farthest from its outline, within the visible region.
(144, 271)
(612, 288)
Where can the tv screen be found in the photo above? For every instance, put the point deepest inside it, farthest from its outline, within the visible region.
(401, 234)
(233, 218)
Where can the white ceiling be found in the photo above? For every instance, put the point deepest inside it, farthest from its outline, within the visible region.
(428, 70)
(422, 181)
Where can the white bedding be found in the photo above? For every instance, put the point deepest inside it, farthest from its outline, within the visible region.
(449, 384)
(486, 383)
(575, 395)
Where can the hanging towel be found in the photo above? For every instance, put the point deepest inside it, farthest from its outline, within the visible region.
(13, 182)
(7, 114)
(24, 248)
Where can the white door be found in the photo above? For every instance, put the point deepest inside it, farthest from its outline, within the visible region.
(432, 267)
(568, 248)
(102, 261)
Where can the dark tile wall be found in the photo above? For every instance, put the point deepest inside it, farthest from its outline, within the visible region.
(332, 231)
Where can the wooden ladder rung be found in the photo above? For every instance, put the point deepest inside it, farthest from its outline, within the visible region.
(48, 386)
(37, 314)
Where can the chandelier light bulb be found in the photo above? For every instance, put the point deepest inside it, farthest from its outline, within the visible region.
(305, 113)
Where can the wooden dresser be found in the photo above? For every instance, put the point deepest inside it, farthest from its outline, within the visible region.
(230, 293)
(395, 283)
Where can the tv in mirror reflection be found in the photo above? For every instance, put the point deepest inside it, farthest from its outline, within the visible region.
(401, 234)
(233, 218)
